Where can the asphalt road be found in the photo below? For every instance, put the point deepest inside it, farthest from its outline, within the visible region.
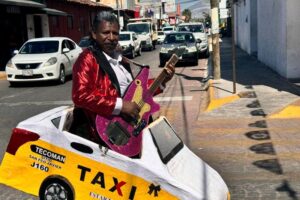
(180, 103)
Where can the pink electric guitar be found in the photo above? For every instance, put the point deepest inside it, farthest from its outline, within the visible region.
(124, 135)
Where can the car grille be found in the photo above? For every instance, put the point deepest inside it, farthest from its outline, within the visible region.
(29, 77)
(28, 65)
(143, 42)
(178, 51)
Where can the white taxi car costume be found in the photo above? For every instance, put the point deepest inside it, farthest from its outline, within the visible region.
(46, 160)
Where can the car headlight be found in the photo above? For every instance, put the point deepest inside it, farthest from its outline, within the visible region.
(148, 41)
(163, 50)
(192, 49)
(51, 61)
(10, 64)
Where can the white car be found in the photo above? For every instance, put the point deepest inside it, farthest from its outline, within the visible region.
(130, 43)
(168, 29)
(41, 59)
(160, 37)
(46, 159)
(198, 29)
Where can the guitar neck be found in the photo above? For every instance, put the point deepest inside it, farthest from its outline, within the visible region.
(161, 77)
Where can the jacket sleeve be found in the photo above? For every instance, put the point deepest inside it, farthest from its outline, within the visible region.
(85, 93)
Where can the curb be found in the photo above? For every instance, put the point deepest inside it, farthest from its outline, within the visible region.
(2, 76)
(290, 111)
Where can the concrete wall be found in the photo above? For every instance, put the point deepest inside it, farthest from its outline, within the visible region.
(243, 25)
(272, 34)
(253, 27)
(246, 25)
(293, 39)
(30, 26)
(45, 25)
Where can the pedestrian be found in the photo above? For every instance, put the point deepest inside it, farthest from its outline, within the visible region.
(101, 77)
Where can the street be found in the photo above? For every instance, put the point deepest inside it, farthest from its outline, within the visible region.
(181, 103)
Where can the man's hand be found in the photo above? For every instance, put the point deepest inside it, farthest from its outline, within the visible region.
(130, 109)
(170, 71)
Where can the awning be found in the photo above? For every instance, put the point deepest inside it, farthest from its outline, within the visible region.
(25, 3)
(51, 11)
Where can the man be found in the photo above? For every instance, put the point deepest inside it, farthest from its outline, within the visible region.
(101, 77)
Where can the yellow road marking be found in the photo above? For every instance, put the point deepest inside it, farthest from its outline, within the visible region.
(216, 103)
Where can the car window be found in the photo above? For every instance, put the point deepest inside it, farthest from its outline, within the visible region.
(71, 44)
(160, 33)
(168, 29)
(84, 42)
(166, 140)
(179, 38)
(65, 45)
(192, 28)
(124, 37)
(39, 47)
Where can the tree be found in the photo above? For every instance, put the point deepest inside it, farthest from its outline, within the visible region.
(187, 15)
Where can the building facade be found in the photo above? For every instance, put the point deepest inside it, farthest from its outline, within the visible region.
(21, 20)
(270, 30)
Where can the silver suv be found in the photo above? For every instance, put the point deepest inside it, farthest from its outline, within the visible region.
(198, 29)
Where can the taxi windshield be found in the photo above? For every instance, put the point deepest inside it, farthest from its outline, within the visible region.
(166, 140)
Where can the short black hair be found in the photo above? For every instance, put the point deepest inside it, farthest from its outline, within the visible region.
(104, 16)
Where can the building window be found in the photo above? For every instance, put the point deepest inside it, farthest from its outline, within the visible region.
(70, 22)
(54, 21)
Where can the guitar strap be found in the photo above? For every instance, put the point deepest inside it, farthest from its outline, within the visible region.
(105, 67)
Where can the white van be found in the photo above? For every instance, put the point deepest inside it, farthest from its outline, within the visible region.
(198, 29)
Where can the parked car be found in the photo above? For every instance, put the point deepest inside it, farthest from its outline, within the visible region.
(84, 42)
(198, 29)
(160, 37)
(183, 44)
(41, 59)
(168, 29)
(45, 159)
(130, 43)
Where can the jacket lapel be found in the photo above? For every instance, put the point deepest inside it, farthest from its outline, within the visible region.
(105, 66)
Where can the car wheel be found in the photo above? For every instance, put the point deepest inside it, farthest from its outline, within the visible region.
(55, 189)
(62, 75)
(161, 63)
(195, 63)
(132, 53)
(206, 55)
(140, 51)
(13, 84)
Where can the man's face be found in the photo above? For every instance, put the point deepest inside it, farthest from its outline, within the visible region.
(107, 36)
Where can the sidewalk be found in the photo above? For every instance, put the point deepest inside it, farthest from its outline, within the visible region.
(252, 138)
(2, 75)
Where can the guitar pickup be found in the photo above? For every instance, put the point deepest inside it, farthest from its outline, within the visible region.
(117, 134)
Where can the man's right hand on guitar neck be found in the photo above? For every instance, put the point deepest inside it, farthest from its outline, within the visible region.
(130, 109)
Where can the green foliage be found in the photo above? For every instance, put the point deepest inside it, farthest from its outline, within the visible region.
(188, 14)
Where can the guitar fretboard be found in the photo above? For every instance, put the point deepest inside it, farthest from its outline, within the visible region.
(161, 77)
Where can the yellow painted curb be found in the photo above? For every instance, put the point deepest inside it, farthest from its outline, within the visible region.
(216, 103)
(291, 111)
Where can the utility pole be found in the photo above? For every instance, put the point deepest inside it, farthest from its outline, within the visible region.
(233, 48)
(118, 9)
(215, 38)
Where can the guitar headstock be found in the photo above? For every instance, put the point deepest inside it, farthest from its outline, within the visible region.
(172, 61)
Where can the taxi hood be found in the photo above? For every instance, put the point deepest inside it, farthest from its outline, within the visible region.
(190, 177)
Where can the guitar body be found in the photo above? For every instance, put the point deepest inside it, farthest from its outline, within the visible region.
(107, 127)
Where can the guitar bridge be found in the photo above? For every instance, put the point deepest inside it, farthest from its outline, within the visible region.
(139, 127)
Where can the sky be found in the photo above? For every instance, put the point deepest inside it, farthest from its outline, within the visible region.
(196, 6)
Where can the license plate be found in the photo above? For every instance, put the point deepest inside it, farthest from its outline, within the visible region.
(27, 72)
